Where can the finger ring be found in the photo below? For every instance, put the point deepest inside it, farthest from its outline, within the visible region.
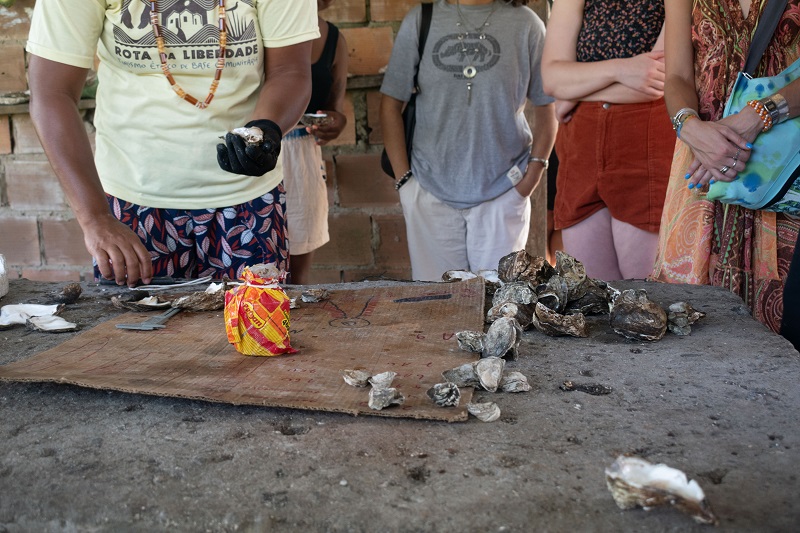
(724, 169)
(738, 151)
(734, 163)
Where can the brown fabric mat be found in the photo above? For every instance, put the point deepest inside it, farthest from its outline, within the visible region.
(408, 329)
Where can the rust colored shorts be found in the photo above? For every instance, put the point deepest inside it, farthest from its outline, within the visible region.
(616, 156)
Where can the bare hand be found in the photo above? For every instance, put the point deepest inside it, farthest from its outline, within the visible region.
(644, 73)
(119, 253)
(531, 179)
(717, 147)
(328, 132)
(564, 109)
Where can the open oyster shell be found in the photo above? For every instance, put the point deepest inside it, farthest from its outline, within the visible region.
(50, 324)
(212, 299)
(381, 398)
(445, 394)
(485, 412)
(15, 314)
(551, 323)
(135, 302)
(252, 135)
(634, 482)
(503, 338)
(635, 316)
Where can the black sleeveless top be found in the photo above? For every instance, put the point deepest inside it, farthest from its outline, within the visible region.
(322, 72)
(615, 29)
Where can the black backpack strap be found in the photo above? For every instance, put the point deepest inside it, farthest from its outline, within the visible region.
(766, 29)
(424, 27)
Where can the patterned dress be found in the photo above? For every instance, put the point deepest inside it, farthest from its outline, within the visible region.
(706, 242)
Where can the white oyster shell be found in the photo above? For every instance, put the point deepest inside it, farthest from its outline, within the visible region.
(485, 412)
(503, 337)
(634, 482)
(382, 380)
(252, 135)
(462, 376)
(470, 341)
(385, 397)
(20, 313)
(51, 324)
(489, 371)
(356, 377)
(514, 382)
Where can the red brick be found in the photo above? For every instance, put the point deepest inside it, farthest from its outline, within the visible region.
(63, 243)
(32, 184)
(386, 10)
(19, 241)
(372, 274)
(374, 117)
(51, 274)
(5, 135)
(12, 68)
(392, 247)
(361, 182)
(15, 21)
(26, 141)
(350, 244)
(348, 135)
(346, 11)
(369, 49)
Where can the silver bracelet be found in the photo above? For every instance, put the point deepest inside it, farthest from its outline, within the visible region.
(777, 106)
(681, 116)
(545, 163)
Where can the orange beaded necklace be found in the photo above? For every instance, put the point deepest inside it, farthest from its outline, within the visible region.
(162, 54)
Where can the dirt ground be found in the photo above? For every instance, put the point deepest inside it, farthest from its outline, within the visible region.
(719, 404)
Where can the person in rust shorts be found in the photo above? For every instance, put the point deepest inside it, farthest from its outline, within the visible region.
(605, 67)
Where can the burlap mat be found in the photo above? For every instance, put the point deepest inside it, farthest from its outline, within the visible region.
(408, 329)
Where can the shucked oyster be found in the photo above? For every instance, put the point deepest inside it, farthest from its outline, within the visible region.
(551, 323)
(252, 135)
(634, 316)
(503, 338)
(634, 482)
(521, 266)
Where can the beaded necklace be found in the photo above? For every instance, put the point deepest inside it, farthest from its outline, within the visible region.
(162, 54)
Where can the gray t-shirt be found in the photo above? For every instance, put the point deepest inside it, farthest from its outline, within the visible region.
(470, 145)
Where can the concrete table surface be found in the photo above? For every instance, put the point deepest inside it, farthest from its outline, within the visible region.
(719, 404)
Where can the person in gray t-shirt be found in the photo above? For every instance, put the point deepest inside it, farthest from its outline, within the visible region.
(465, 191)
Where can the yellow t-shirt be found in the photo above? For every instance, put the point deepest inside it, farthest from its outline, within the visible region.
(153, 148)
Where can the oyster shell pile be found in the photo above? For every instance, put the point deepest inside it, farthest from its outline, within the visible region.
(634, 482)
(635, 316)
(681, 316)
(488, 374)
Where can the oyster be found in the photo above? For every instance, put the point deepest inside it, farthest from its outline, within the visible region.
(519, 293)
(356, 377)
(252, 135)
(634, 482)
(514, 382)
(462, 376)
(573, 273)
(380, 398)
(522, 314)
(489, 371)
(148, 303)
(311, 296)
(316, 119)
(634, 316)
(551, 323)
(554, 294)
(382, 380)
(503, 337)
(212, 299)
(69, 294)
(593, 302)
(470, 341)
(50, 324)
(681, 316)
(485, 412)
(14, 314)
(458, 275)
(445, 394)
(521, 266)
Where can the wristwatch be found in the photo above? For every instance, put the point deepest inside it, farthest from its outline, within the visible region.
(545, 163)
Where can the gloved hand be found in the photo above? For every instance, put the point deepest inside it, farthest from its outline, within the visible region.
(240, 157)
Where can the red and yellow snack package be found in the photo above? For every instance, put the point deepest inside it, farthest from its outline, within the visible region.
(257, 314)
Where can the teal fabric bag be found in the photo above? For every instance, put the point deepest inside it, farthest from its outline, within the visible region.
(770, 180)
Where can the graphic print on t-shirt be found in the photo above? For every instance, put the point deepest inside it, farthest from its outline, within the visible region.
(478, 51)
(191, 34)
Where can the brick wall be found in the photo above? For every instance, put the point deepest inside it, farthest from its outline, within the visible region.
(42, 241)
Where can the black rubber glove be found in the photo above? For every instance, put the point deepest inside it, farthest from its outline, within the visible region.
(239, 157)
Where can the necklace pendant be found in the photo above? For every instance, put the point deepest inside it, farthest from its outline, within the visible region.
(470, 72)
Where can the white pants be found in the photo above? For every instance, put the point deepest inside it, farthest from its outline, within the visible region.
(306, 194)
(442, 238)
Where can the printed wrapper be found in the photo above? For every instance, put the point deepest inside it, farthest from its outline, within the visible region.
(257, 317)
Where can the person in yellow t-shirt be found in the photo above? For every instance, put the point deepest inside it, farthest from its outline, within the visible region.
(163, 195)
